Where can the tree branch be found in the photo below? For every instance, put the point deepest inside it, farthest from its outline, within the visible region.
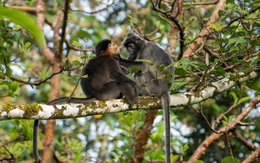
(205, 32)
(142, 136)
(213, 137)
(173, 17)
(41, 111)
(253, 157)
(244, 141)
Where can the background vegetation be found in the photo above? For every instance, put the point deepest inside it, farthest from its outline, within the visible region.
(218, 39)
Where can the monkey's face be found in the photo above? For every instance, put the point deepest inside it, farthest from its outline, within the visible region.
(132, 51)
(112, 49)
(133, 43)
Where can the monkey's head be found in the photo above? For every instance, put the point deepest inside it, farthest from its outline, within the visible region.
(133, 43)
(105, 47)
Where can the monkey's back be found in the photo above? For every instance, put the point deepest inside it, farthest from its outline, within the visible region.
(156, 81)
(98, 71)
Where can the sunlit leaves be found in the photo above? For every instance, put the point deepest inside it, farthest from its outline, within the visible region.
(236, 41)
(230, 159)
(177, 84)
(13, 86)
(24, 20)
(228, 119)
(134, 69)
(216, 26)
(21, 128)
(145, 61)
(24, 47)
(254, 85)
(76, 43)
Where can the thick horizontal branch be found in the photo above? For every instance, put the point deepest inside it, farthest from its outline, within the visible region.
(225, 129)
(43, 111)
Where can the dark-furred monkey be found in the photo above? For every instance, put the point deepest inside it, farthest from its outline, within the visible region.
(151, 80)
(102, 79)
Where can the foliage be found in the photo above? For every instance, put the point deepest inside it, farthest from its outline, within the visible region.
(231, 46)
(30, 25)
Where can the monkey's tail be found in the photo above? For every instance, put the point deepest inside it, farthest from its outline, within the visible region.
(71, 100)
(165, 98)
(53, 102)
(35, 144)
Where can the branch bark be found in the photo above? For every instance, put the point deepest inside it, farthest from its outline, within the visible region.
(253, 157)
(142, 136)
(41, 111)
(172, 39)
(213, 137)
(200, 41)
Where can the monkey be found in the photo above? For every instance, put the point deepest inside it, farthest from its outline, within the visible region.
(105, 81)
(150, 80)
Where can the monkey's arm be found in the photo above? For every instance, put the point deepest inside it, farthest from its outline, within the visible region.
(120, 77)
(127, 64)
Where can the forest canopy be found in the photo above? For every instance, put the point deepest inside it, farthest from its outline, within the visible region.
(215, 97)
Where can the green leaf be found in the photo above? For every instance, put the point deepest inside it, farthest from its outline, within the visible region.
(76, 43)
(199, 161)
(244, 99)
(138, 125)
(8, 71)
(174, 158)
(14, 86)
(178, 84)
(76, 63)
(236, 40)
(145, 61)
(84, 76)
(229, 159)
(83, 34)
(26, 21)
(234, 97)
(216, 107)
(216, 26)
(27, 45)
(255, 85)
(230, 1)
(219, 71)
(134, 69)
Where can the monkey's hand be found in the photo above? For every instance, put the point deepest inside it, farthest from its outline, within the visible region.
(117, 57)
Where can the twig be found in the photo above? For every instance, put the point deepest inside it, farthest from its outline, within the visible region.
(31, 10)
(9, 152)
(240, 17)
(97, 11)
(200, 112)
(173, 19)
(36, 83)
(204, 3)
(19, 56)
(228, 144)
(77, 49)
(64, 24)
(217, 121)
(210, 52)
(244, 141)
